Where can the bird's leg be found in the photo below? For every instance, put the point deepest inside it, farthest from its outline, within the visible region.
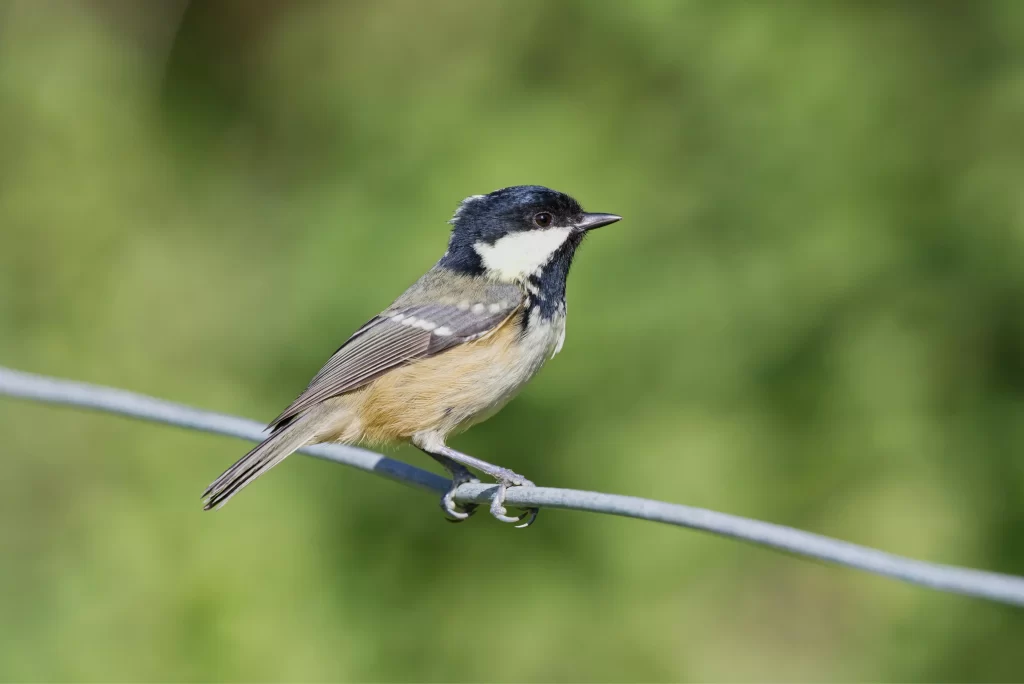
(437, 449)
(460, 475)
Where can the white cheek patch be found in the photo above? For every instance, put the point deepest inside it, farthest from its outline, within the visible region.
(517, 255)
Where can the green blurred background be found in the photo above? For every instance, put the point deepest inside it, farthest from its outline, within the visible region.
(813, 314)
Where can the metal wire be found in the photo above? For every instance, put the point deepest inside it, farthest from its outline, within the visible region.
(989, 585)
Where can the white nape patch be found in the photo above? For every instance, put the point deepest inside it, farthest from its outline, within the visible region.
(517, 255)
(560, 342)
(462, 205)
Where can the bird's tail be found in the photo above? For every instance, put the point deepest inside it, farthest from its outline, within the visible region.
(267, 454)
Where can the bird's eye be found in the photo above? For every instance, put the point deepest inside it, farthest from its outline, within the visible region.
(543, 219)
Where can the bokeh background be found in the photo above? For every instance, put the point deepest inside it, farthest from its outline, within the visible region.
(813, 314)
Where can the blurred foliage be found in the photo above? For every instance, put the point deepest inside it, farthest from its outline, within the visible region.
(812, 314)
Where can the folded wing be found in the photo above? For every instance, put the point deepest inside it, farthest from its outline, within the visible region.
(399, 335)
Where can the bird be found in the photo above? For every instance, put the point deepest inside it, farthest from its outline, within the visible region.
(450, 352)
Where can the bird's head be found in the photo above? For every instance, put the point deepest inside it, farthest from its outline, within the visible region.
(515, 233)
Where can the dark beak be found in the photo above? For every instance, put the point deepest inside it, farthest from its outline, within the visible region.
(591, 221)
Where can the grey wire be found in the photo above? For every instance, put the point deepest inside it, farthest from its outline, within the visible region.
(989, 585)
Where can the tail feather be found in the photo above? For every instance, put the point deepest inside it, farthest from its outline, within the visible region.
(267, 454)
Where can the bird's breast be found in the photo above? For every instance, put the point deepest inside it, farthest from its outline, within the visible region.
(460, 387)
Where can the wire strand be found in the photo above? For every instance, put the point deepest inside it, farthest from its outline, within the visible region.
(989, 585)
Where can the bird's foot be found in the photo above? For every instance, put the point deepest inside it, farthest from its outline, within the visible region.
(506, 479)
(458, 512)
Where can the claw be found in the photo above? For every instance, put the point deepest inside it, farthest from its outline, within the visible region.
(498, 509)
(530, 514)
(454, 512)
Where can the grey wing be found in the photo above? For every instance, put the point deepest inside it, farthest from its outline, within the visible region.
(397, 336)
